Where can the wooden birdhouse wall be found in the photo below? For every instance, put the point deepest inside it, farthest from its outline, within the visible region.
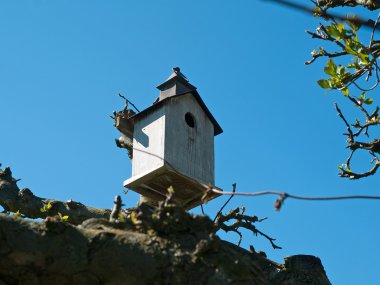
(178, 134)
(149, 142)
(189, 138)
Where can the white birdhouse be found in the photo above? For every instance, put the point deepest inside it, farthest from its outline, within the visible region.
(173, 145)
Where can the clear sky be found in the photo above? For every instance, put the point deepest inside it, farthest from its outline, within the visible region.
(62, 64)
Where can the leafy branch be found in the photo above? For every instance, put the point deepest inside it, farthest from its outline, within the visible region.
(352, 69)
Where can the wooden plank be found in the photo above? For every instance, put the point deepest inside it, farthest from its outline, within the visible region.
(188, 191)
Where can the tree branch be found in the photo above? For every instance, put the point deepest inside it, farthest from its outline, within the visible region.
(23, 201)
(101, 252)
(369, 4)
(241, 221)
(323, 13)
(354, 175)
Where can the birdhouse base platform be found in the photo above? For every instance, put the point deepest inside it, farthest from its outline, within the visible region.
(188, 192)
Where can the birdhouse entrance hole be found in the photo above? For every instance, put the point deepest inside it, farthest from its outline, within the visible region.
(190, 121)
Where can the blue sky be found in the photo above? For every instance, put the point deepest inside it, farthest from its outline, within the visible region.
(62, 64)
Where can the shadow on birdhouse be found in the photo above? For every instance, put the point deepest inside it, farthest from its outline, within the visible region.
(171, 144)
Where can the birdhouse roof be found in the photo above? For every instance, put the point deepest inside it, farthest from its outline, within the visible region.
(175, 86)
(177, 83)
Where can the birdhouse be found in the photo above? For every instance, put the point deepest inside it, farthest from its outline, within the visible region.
(173, 145)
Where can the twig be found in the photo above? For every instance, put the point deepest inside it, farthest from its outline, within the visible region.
(203, 212)
(366, 89)
(225, 204)
(303, 8)
(241, 221)
(373, 147)
(373, 30)
(133, 105)
(360, 106)
(348, 161)
(116, 209)
(354, 175)
(340, 114)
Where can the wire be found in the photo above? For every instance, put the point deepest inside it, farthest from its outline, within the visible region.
(282, 195)
(287, 195)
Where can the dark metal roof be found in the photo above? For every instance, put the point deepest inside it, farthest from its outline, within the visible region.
(177, 85)
(175, 74)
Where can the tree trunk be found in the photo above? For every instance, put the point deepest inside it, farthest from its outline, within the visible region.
(141, 246)
(169, 252)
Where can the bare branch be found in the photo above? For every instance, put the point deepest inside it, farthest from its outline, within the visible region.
(128, 102)
(350, 133)
(354, 175)
(373, 146)
(225, 204)
(324, 14)
(369, 4)
(241, 221)
(373, 31)
(116, 209)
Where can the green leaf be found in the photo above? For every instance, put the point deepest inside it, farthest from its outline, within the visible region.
(323, 83)
(332, 30)
(340, 27)
(363, 57)
(345, 91)
(352, 46)
(133, 217)
(355, 65)
(171, 189)
(46, 208)
(349, 50)
(368, 101)
(63, 218)
(330, 68)
(121, 217)
(356, 39)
